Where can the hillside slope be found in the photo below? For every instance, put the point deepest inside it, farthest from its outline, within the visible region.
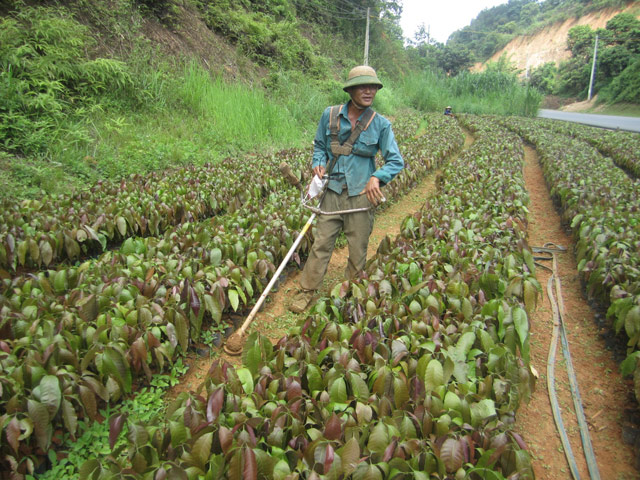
(550, 44)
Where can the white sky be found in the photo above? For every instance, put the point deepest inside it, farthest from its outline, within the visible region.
(441, 17)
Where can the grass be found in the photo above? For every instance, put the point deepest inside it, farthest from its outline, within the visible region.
(495, 93)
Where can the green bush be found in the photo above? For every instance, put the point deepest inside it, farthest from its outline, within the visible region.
(47, 81)
(625, 87)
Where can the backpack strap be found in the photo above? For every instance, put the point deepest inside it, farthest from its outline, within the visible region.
(345, 148)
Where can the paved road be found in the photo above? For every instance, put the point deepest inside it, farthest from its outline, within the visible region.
(631, 124)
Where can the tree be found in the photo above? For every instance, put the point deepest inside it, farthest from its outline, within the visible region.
(543, 77)
(580, 41)
(454, 58)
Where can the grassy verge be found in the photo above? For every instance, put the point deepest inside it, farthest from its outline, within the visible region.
(495, 93)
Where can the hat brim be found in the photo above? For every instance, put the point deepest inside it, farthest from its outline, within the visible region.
(362, 80)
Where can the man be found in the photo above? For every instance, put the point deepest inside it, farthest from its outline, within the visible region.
(447, 111)
(354, 181)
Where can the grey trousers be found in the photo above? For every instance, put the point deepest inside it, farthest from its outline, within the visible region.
(357, 228)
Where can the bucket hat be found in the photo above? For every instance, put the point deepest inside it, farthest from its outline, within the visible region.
(361, 75)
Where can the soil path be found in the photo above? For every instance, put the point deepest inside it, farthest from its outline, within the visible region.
(604, 394)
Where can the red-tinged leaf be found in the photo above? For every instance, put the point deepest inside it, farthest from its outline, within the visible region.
(184, 293)
(40, 418)
(329, 456)
(452, 454)
(4, 346)
(88, 401)
(250, 471)
(388, 452)
(13, 433)
(519, 440)
(173, 336)
(294, 390)
(138, 351)
(344, 289)
(161, 474)
(149, 274)
(115, 427)
(69, 417)
(226, 439)
(214, 404)
(333, 428)
(195, 301)
(11, 243)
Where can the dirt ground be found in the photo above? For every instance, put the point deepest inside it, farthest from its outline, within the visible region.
(606, 397)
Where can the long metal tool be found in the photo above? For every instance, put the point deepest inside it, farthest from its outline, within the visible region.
(233, 345)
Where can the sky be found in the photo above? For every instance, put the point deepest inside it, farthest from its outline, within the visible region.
(441, 17)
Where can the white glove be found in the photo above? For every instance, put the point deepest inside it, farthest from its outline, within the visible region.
(315, 187)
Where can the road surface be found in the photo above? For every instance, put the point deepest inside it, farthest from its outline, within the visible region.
(631, 124)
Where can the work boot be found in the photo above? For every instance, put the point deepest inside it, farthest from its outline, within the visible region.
(301, 301)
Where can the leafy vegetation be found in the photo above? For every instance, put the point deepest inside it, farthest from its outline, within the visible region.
(132, 311)
(618, 50)
(606, 224)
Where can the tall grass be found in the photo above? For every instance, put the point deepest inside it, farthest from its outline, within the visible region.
(497, 93)
(234, 114)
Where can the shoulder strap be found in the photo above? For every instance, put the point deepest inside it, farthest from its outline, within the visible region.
(345, 148)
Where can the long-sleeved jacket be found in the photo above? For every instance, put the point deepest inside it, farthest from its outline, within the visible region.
(356, 169)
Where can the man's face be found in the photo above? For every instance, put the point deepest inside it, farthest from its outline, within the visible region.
(363, 95)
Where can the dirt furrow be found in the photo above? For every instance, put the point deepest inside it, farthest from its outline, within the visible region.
(604, 393)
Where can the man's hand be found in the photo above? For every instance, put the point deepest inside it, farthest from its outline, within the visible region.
(319, 171)
(374, 194)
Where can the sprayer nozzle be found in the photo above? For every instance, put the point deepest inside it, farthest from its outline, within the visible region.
(285, 169)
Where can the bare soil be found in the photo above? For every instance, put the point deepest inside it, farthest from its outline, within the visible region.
(550, 44)
(606, 397)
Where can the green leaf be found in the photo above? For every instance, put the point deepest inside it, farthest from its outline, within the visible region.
(314, 378)
(400, 392)
(121, 223)
(350, 456)
(359, 387)
(50, 394)
(434, 375)
(201, 449)
(213, 307)
(338, 391)
(233, 299)
(379, 438)
(69, 417)
(482, 410)
(629, 364)
(182, 331)
(114, 363)
(246, 378)
(521, 323)
(178, 432)
(215, 256)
